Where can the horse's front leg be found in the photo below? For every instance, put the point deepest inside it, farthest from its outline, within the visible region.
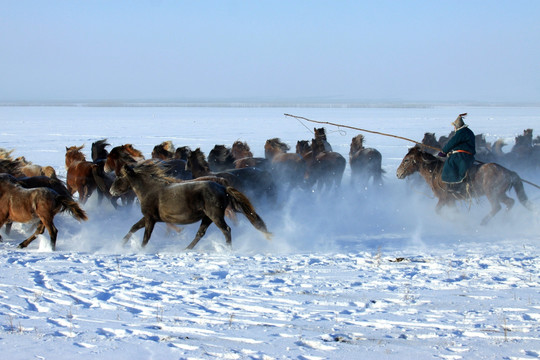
(138, 225)
(40, 229)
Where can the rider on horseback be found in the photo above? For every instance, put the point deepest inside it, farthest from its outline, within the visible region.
(460, 150)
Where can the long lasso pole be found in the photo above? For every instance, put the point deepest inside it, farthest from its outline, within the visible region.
(391, 135)
(364, 130)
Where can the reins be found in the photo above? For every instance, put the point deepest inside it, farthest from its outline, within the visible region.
(397, 137)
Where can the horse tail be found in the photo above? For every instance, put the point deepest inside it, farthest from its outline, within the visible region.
(517, 184)
(71, 206)
(241, 203)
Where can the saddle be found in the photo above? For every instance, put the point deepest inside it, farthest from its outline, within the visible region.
(463, 188)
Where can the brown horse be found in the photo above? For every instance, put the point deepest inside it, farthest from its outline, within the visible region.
(80, 173)
(324, 168)
(243, 157)
(18, 204)
(491, 180)
(164, 151)
(30, 169)
(32, 182)
(182, 203)
(366, 163)
(289, 169)
(320, 134)
(121, 155)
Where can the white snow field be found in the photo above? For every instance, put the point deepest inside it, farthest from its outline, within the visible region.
(362, 273)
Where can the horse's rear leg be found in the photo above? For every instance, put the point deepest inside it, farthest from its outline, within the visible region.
(53, 233)
(40, 229)
(225, 229)
(205, 223)
(495, 208)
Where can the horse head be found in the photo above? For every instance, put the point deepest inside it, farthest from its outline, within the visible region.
(274, 146)
(320, 133)
(119, 156)
(240, 150)
(357, 143)
(121, 184)
(220, 158)
(73, 153)
(182, 153)
(163, 151)
(303, 147)
(410, 163)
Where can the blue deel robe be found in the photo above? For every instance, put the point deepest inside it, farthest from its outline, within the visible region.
(456, 165)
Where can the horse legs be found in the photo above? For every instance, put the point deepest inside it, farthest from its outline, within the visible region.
(40, 229)
(138, 225)
(205, 223)
(148, 228)
(8, 227)
(53, 233)
(225, 229)
(495, 208)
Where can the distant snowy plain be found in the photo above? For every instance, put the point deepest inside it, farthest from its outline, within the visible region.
(369, 273)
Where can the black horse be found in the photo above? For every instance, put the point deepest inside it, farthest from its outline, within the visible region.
(164, 199)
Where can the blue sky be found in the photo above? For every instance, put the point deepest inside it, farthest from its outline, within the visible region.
(271, 50)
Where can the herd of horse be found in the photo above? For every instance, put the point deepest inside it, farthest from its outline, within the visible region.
(182, 186)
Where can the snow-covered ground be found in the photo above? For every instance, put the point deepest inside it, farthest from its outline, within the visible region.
(369, 274)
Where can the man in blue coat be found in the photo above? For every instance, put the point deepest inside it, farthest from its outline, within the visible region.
(460, 150)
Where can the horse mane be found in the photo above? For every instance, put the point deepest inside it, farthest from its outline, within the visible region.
(133, 152)
(152, 169)
(6, 154)
(98, 149)
(428, 159)
(75, 154)
(11, 166)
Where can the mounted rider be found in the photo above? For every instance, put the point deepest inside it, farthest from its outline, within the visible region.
(460, 150)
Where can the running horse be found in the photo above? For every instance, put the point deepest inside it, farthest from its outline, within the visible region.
(289, 169)
(243, 157)
(491, 180)
(80, 173)
(166, 200)
(366, 163)
(18, 204)
(324, 169)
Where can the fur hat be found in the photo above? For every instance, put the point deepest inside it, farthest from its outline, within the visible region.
(458, 123)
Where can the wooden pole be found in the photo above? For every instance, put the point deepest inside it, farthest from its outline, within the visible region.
(364, 130)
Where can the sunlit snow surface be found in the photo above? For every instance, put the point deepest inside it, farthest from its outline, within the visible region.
(362, 273)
